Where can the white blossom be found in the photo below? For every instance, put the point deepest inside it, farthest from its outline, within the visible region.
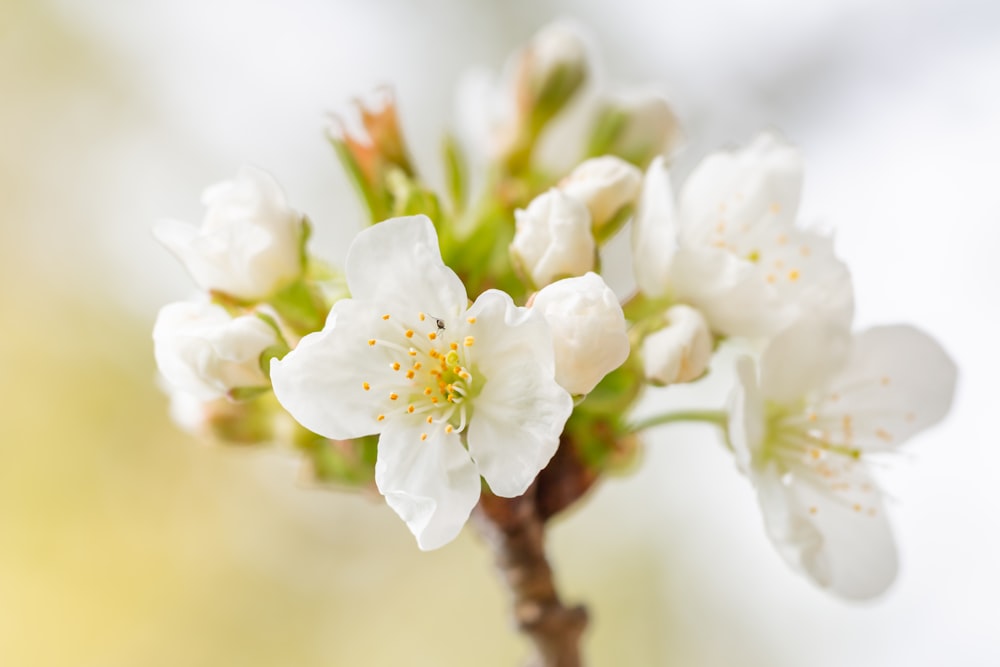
(249, 243)
(731, 249)
(606, 184)
(552, 238)
(680, 351)
(454, 391)
(824, 405)
(203, 351)
(588, 330)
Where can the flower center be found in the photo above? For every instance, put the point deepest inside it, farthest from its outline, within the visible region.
(429, 375)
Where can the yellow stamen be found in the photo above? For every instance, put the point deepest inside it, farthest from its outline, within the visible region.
(371, 342)
(432, 335)
(365, 386)
(385, 317)
(395, 365)
(409, 333)
(469, 341)
(423, 436)
(470, 320)
(393, 396)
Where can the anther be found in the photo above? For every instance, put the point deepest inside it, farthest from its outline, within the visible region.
(385, 317)
(371, 342)
(395, 365)
(469, 341)
(393, 396)
(432, 335)
(366, 386)
(793, 275)
(423, 436)
(470, 320)
(409, 333)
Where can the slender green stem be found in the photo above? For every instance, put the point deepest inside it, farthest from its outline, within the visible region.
(717, 417)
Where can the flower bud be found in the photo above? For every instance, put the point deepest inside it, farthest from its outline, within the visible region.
(203, 351)
(249, 244)
(606, 185)
(679, 352)
(552, 68)
(553, 238)
(636, 127)
(588, 330)
(375, 156)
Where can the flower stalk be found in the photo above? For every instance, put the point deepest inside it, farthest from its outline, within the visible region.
(514, 531)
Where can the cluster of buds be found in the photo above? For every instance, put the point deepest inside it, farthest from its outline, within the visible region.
(465, 344)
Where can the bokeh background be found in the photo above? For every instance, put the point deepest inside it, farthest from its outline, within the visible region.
(123, 542)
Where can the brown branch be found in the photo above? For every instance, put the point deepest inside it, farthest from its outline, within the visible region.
(514, 530)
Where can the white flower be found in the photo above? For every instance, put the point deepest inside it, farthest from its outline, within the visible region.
(552, 239)
(203, 351)
(588, 328)
(249, 243)
(679, 352)
(454, 391)
(606, 184)
(825, 404)
(732, 250)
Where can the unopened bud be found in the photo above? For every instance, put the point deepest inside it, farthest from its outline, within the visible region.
(553, 239)
(679, 352)
(377, 154)
(608, 186)
(636, 127)
(553, 66)
(588, 330)
(203, 351)
(250, 242)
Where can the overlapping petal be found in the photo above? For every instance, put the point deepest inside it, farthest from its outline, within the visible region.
(397, 264)
(432, 485)
(521, 409)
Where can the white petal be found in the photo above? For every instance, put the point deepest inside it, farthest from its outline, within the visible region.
(898, 381)
(654, 231)
(397, 264)
(803, 358)
(322, 381)
(745, 406)
(756, 281)
(521, 411)
(431, 484)
(758, 185)
(842, 541)
(588, 329)
(727, 291)
(679, 352)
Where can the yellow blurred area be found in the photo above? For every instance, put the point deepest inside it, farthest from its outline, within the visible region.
(122, 541)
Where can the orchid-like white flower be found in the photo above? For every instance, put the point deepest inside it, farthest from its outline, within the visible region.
(680, 351)
(454, 391)
(606, 184)
(552, 238)
(731, 249)
(588, 328)
(203, 351)
(249, 243)
(823, 406)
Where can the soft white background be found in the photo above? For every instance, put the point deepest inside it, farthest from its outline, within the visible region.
(895, 104)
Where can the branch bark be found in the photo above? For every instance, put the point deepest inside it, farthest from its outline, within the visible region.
(514, 529)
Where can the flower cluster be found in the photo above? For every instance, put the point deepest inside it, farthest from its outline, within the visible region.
(471, 336)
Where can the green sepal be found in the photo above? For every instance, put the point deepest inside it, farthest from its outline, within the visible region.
(455, 169)
(347, 462)
(246, 393)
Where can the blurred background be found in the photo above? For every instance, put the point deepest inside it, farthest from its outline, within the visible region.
(124, 542)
